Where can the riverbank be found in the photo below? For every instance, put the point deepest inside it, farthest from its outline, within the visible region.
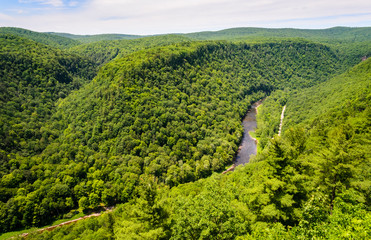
(248, 144)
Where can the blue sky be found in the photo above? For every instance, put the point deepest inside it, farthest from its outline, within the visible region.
(34, 7)
(176, 16)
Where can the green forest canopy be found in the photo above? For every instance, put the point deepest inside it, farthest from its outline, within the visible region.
(104, 51)
(168, 115)
(48, 39)
(313, 182)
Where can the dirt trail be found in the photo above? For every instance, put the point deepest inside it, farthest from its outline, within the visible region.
(281, 122)
(230, 169)
(69, 222)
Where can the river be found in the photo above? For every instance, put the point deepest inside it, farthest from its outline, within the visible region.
(248, 145)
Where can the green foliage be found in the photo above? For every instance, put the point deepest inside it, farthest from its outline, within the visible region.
(340, 92)
(310, 183)
(351, 44)
(92, 228)
(44, 38)
(143, 218)
(209, 213)
(33, 78)
(155, 119)
(349, 220)
(102, 52)
(268, 117)
(172, 112)
(332, 156)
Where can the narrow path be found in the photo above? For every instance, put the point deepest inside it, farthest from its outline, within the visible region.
(281, 122)
(69, 222)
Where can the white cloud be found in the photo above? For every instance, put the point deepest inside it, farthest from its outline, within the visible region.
(73, 4)
(4, 17)
(164, 16)
(54, 3)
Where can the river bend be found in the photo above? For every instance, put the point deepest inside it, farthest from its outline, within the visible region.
(248, 145)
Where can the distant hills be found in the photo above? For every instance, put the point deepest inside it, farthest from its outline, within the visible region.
(48, 39)
(350, 34)
(336, 33)
(103, 51)
(351, 43)
(96, 37)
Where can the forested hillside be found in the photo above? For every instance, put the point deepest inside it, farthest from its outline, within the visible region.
(351, 43)
(311, 183)
(104, 51)
(48, 39)
(338, 93)
(33, 78)
(147, 125)
(172, 112)
(304, 105)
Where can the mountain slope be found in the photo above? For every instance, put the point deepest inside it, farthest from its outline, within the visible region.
(48, 39)
(33, 77)
(351, 44)
(336, 93)
(104, 51)
(172, 112)
(304, 105)
(311, 183)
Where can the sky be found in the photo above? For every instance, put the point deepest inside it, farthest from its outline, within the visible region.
(146, 17)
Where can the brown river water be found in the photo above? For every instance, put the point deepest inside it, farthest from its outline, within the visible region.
(248, 145)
